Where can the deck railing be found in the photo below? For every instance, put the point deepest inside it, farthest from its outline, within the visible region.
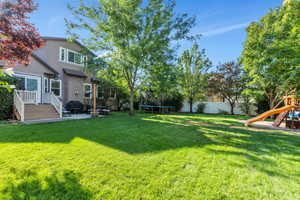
(54, 100)
(28, 97)
(19, 105)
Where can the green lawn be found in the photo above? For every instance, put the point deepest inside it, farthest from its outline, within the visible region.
(148, 157)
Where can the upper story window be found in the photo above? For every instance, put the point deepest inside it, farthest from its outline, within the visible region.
(71, 57)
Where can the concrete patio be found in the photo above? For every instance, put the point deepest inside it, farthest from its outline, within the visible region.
(71, 117)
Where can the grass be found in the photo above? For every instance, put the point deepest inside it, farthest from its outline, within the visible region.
(148, 157)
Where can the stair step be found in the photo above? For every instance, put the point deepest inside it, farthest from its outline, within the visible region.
(40, 111)
(280, 118)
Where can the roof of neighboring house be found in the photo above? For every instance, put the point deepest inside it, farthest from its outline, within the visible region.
(66, 40)
(71, 72)
(44, 63)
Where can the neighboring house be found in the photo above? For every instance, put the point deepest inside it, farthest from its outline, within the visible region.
(54, 77)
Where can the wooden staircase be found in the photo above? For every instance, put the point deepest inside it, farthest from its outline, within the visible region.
(279, 119)
(40, 112)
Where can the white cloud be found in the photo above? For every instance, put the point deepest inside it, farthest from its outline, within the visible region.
(223, 30)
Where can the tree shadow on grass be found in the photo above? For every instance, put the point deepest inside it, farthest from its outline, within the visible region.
(58, 186)
(155, 133)
(133, 135)
(152, 133)
(258, 147)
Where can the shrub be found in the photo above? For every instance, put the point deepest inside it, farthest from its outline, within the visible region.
(246, 105)
(6, 96)
(223, 112)
(262, 105)
(201, 107)
(6, 103)
(176, 100)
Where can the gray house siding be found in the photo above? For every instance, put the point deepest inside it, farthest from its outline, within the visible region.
(74, 87)
(35, 68)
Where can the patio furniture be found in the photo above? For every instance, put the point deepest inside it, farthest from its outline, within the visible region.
(74, 107)
(102, 110)
(66, 113)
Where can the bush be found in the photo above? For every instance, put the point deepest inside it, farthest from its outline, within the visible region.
(262, 105)
(6, 103)
(223, 112)
(6, 96)
(201, 107)
(176, 100)
(246, 105)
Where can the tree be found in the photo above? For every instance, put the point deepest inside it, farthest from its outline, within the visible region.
(228, 82)
(6, 95)
(133, 33)
(18, 38)
(193, 65)
(161, 80)
(271, 52)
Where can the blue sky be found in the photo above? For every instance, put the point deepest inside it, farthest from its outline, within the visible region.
(222, 22)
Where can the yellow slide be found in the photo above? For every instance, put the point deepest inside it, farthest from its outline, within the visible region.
(270, 113)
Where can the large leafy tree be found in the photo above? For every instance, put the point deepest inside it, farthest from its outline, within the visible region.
(193, 66)
(161, 78)
(18, 38)
(227, 81)
(132, 32)
(271, 52)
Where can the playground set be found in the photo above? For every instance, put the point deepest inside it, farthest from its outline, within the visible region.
(290, 113)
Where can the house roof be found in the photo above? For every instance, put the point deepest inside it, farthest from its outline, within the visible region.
(66, 40)
(44, 63)
(71, 72)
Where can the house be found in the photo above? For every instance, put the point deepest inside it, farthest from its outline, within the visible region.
(54, 77)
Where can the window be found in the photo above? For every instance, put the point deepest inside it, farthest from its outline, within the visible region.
(87, 91)
(55, 87)
(62, 55)
(31, 84)
(46, 85)
(20, 83)
(78, 58)
(71, 57)
(85, 60)
(100, 92)
(27, 83)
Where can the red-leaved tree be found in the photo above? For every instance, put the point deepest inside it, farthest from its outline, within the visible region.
(18, 37)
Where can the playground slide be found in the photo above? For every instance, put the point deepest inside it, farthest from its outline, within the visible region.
(269, 113)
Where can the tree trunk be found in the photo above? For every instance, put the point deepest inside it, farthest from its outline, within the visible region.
(161, 104)
(191, 105)
(131, 112)
(272, 105)
(232, 108)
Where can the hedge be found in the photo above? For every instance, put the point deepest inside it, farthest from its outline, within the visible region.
(6, 96)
